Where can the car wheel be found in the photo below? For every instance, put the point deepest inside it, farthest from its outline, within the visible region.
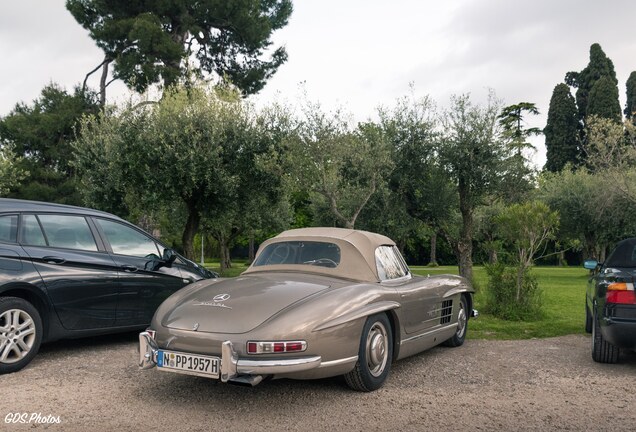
(602, 351)
(20, 333)
(462, 325)
(374, 355)
(588, 320)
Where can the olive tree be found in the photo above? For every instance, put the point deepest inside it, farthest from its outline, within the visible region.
(342, 166)
(191, 149)
(472, 151)
(10, 173)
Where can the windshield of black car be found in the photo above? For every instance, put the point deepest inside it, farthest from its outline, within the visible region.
(322, 254)
(624, 255)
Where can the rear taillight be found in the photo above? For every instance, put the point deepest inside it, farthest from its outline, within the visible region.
(151, 333)
(621, 293)
(272, 347)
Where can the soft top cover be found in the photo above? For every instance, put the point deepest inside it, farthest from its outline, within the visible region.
(357, 249)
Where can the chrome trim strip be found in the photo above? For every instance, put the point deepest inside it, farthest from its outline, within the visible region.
(273, 367)
(429, 333)
(338, 362)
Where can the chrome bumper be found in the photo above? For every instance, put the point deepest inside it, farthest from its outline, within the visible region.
(231, 366)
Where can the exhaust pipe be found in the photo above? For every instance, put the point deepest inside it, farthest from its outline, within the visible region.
(246, 380)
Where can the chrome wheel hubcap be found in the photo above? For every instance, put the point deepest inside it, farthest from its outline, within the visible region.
(377, 349)
(461, 321)
(17, 335)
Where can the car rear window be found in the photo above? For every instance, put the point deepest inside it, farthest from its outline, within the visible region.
(70, 232)
(624, 255)
(9, 228)
(321, 254)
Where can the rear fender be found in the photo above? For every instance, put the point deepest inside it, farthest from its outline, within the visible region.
(34, 295)
(361, 312)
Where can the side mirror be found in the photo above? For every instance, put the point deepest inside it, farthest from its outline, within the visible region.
(169, 256)
(590, 264)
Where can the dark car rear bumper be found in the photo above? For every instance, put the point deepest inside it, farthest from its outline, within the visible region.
(620, 332)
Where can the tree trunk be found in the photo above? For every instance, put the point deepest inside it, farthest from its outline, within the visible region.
(191, 228)
(433, 261)
(224, 251)
(561, 258)
(602, 255)
(465, 243)
(520, 271)
(102, 84)
(492, 256)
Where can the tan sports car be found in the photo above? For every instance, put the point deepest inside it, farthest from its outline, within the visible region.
(315, 303)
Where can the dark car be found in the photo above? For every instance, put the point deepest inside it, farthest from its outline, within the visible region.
(68, 272)
(611, 303)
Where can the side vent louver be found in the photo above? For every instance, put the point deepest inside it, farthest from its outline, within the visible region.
(447, 311)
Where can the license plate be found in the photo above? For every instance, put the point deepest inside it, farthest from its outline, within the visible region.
(192, 364)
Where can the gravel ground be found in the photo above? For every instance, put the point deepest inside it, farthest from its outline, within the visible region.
(548, 384)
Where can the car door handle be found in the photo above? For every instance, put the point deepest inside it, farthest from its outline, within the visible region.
(54, 260)
(129, 268)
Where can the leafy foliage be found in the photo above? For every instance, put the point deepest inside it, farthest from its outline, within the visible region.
(192, 148)
(506, 300)
(603, 100)
(562, 130)
(340, 165)
(473, 153)
(151, 42)
(630, 105)
(40, 136)
(418, 181)
(594, 212)
(599, 66)
(10, 173)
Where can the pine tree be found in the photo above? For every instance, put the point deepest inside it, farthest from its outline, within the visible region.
(603, 100)
(630, 107)
(561, 131)
(155, 42)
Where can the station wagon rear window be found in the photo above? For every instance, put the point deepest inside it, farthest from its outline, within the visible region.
(9, 229)
(321, 254)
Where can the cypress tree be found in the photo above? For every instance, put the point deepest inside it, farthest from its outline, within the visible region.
(561, 131)
(599, 66)
(630, 107)
(603, 100)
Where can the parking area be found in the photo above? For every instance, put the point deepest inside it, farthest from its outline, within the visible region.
(542, 384)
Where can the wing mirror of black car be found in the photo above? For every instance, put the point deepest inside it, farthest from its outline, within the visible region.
(590, 264)
(169, 256)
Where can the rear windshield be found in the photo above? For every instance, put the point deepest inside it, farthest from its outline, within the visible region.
(624, 255)
(300, 252)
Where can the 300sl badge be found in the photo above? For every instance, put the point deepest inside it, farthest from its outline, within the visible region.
(216, 301)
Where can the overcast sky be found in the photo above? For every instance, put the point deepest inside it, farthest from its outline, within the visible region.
(364, 53)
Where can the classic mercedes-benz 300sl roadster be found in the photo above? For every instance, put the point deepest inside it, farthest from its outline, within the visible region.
(316, 302)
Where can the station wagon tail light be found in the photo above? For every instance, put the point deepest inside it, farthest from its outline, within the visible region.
(274, 347)
(621, 293)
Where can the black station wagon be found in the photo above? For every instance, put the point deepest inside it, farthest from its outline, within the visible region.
(68, 272)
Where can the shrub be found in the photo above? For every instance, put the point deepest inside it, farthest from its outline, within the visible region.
(503, 299)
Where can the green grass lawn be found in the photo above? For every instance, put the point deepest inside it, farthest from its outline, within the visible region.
(563, 305)
(563, 302)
